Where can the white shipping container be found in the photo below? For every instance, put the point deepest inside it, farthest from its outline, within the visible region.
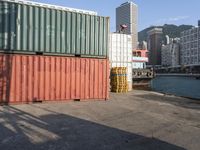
(120, 48)
(129, 69)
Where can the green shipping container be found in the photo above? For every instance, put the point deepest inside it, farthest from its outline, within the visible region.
(30, 27)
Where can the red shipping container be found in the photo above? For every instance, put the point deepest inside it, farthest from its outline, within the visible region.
(29, 78)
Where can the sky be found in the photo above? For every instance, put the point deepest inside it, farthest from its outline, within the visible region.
(150, 12)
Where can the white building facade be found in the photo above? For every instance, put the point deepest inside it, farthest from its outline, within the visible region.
(190, 47)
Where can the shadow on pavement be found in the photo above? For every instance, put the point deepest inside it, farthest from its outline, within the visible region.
(20, 130)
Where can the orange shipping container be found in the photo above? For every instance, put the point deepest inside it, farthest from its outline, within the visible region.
(29, 78)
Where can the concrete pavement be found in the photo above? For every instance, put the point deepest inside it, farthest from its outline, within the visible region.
(138, 120)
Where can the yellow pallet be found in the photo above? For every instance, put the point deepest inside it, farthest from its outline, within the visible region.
(119, 76)
(119, 86)
(124, 80)
(119, 79)
(122, 83)
(115, 80)
(119, 70)
(119, 90)
(116, 77)
(119, 83)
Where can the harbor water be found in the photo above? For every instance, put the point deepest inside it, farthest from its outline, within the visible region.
(180, 86)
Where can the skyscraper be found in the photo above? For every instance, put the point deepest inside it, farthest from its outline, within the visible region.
(190, 46)
(127, 14)
(154, 45)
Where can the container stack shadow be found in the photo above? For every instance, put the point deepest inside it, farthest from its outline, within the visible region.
(52, 53)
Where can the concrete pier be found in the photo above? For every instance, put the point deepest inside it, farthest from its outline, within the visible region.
(138, 120)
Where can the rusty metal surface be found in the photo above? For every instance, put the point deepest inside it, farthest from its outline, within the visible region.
(28, 78)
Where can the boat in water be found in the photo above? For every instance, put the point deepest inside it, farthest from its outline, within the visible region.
(140, 75)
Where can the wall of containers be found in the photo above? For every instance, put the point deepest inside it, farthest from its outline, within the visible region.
(49, 53)
(120, 54)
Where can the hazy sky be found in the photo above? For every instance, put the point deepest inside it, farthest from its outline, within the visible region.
(151, 12)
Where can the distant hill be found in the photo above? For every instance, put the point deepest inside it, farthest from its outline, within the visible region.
(168, 29)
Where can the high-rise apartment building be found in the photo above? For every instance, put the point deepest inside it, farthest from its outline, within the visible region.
(127, 14)
(190, 46)
(170, 53)
(154, 45)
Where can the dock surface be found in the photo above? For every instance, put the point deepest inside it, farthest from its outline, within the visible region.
(138, 120)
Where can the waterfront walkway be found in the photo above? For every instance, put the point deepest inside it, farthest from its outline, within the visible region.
(138, 120)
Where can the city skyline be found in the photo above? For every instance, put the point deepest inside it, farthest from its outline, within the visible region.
(149, 13)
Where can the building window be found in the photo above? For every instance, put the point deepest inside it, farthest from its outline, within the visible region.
(195, 36)
(195, 52)
(188, 38)
(191, 45)
(195, 44)
(188, 45)
(192, 37)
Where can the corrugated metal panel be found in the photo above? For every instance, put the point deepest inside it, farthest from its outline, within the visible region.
(120, 48)
(28, 78)
(31, 28)
(129, 67)
(31, 3)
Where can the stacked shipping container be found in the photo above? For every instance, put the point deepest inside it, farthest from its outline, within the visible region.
(32, 28)
(28, 29)
(120, 54)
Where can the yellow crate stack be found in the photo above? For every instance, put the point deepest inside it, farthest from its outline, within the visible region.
(119, 82)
